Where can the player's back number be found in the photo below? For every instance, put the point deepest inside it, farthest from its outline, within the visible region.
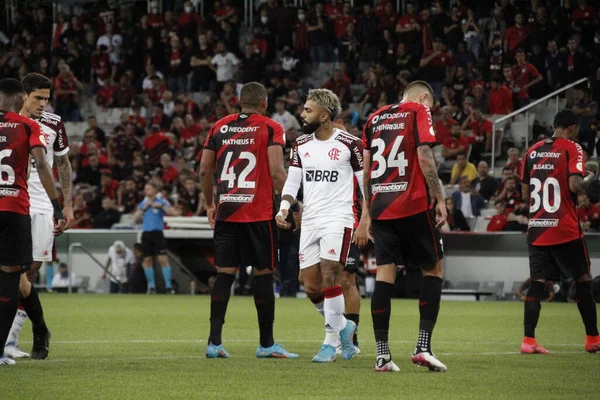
(540, 195)
(7, 173)
(395, 159)
(228, 173)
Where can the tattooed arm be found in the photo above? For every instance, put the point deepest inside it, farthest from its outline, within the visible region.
(65, 177)
(427, 163)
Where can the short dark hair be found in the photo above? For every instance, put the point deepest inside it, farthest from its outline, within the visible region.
(520, 50)
(35, 81)
(252, 94)
(10, 86)
(424, 85)
(462, 153)
(564, 119)
(496, 79)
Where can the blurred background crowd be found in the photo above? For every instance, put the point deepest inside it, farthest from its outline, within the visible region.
(140, 84)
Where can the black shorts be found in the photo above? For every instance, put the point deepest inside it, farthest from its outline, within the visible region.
(353, 259)
(153, 244)
(410, 240)
(570, 259)
(244, 244)
(15, 239)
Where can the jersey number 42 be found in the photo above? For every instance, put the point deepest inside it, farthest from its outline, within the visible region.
(228, 174)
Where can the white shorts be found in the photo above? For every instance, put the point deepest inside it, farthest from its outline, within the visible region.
(329, 243)
(43, 238)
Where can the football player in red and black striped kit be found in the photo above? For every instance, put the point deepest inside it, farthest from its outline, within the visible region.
(552, 178)
(19, 137)
(400, 180)
(245, 151)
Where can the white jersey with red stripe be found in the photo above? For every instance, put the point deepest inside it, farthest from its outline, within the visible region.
(328, 168)
(57, 144)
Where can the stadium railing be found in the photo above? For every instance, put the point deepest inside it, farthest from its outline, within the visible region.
(535, 104)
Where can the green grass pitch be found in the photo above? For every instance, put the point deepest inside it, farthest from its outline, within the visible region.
(152, 347)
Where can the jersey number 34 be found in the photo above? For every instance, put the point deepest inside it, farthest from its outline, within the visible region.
(395, 159)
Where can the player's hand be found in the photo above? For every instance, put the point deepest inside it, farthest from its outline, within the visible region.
(362, 234)
(59, 227)
(441, 214)
(157, 205)
(210, 213)
(281, 218)
(69, 217)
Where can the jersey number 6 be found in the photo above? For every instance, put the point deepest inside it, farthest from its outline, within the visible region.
(6, 170)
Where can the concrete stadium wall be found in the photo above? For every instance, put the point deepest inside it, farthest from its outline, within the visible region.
(469, 257)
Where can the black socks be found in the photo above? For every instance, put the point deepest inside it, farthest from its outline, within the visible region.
(429, 308)
(381, 309)
(264, 300)
(34, 311)
(9, 299)
(533, 306)
(587, 307)
(218, 306)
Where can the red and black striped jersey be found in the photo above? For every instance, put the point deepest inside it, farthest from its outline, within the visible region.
(397, 186)
(18, 135)
(244, 184)
(552, 216)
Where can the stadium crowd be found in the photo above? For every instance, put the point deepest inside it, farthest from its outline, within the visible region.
(174, 73)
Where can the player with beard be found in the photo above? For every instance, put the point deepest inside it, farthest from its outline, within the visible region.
(551, 180)
(20, 137)
(325, 161)
(37, 94)
(401, 175)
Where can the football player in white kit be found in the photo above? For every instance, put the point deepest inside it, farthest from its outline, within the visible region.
(37, 93)
(325, 161)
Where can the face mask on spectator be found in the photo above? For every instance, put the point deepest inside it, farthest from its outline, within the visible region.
(301, 17)
(264, 20)
(188, 9)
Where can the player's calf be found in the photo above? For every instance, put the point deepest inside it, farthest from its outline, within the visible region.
(9, 296)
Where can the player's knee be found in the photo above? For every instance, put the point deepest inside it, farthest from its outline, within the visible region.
(436, 269)
(348, 281)
(9, 284)
(583, 278)
(24, 286)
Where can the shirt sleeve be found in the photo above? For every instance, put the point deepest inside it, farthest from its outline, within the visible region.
(295, 160)
(61, 144)
(454, 171)
(141, 205)
(276, 134)
(425, 134)
(293, 182)
(575, 153)
(533, 71)
(210, 143)
(366, 138)
(356, 156)
(36, 139)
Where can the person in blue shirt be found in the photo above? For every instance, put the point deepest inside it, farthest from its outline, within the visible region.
(151, 212)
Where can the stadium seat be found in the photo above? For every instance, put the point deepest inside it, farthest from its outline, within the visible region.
(450, 189)
(496, 287)
(467, 285)
(471, 221)
(481, 224)
(357, 91)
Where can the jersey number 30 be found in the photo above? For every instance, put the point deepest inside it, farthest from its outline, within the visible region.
(395, 158)
(7, 174)
(549, 185)
(228, 173)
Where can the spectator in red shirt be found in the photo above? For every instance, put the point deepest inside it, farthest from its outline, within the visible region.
(169, 173)
(588, 214)
(156, 92)
(500, 100)
(505, 220)
(515, 161)
(189, 20)
(340, 85)
(155, 145)
(66, 94)
(436, 64)
(387, 19)
(455, 145)
(101, 68)
(89, 137)
(516, 35)
(482, 134)
(108, 186)
(343, 20)
(510, 194)
(409, 29)
(159, 117)
(300, 36)
(444, 124)
(190, 132)
(525, 76)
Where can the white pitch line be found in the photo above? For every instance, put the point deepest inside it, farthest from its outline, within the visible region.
(245, 357)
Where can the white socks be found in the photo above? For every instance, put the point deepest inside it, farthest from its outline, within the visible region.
(333, 308)
(15, 330)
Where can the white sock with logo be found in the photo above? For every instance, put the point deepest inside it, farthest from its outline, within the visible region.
(335, 321)
(17, 326)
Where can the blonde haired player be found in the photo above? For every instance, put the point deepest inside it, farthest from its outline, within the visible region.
(325, 161)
